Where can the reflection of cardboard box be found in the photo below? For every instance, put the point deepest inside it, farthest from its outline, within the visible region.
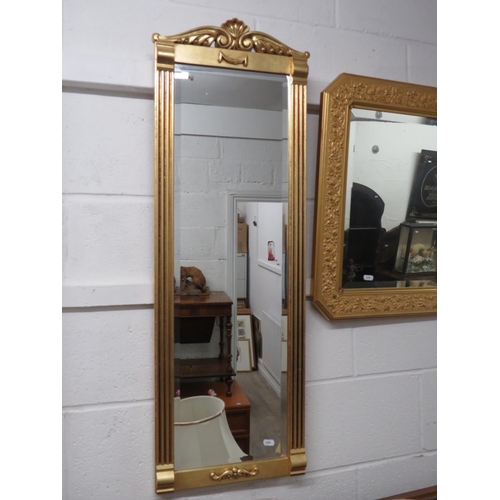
(242, 237)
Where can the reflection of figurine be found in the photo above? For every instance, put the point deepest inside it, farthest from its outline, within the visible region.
(351, 270)
(270, 250)
(420, 259)
(193, 281)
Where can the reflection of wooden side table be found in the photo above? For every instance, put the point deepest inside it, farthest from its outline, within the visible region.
(213, 304)
(237, 407)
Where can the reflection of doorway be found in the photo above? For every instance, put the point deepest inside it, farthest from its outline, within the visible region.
(265, 219)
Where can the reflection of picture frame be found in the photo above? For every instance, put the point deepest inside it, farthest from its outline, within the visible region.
(245, 332)
(243, 363)
(423, 197)
(241, 329)
(284, 355)
(257, 336)
(284, 327)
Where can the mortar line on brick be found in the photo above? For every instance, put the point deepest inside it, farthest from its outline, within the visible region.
(386, 36)
(370, 463)
(106, 406)
(113, 195)
(115, 90)
(120, 307)
(107, 90)
(415, 371)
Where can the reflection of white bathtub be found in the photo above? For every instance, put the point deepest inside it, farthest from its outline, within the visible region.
(202, 434)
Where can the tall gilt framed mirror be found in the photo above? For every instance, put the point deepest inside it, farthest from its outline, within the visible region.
(375, 241)
(230, 115)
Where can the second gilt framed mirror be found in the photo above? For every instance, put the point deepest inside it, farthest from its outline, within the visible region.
(376, 200)
(230, 114)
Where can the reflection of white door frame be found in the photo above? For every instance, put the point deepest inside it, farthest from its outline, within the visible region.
(232, 231)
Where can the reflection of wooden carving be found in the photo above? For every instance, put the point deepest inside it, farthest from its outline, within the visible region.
(193, 281)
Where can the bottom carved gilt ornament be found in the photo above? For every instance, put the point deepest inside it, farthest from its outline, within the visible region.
(234, 473)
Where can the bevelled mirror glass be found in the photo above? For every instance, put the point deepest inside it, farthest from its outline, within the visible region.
(230, 157)
(376, 215)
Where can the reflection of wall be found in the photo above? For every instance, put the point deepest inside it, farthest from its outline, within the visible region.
(390, 171)
(370, 384)
(209, 166)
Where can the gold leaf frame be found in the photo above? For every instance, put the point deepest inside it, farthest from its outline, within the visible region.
(232, 46)
(344, 93)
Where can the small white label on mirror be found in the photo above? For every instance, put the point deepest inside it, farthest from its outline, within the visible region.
(368, 277)
(268, 442)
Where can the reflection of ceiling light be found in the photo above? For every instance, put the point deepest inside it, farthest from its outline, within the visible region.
(183, 75)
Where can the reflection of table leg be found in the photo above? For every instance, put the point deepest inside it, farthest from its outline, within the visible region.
(221, 343)
(229, 381)
(229, 333)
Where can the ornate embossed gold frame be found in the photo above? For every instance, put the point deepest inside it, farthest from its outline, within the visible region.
(233, 46)
(345, 92)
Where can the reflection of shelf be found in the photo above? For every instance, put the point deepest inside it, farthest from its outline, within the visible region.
(408, 277)
(272, 265)
(202, 367)
(385, 277)
(210, 305)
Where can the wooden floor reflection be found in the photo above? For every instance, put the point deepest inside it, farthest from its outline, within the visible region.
(265, 414)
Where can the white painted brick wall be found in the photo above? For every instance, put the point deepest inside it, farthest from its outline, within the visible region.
(97, 368)
(108, 142)
(370, 385)
(400, 19)
(110, 43)
(108, 240)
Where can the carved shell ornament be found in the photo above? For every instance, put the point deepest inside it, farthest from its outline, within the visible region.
(232, 35)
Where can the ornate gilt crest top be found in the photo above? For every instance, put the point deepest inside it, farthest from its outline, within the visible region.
(232, 35)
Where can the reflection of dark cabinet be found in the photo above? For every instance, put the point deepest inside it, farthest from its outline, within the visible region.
(208, 306)
(362, 240)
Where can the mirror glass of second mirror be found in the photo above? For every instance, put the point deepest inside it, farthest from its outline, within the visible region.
(230, 226)
(390, 237)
